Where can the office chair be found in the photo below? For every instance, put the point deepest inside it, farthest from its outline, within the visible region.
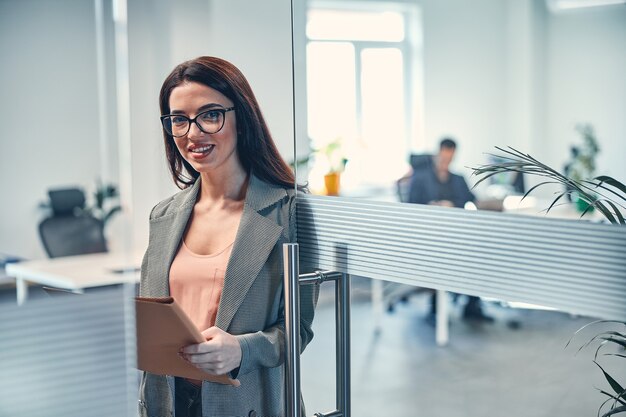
(403, 185)
(70, 230)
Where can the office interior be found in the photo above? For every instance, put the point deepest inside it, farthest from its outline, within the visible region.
(80, 84)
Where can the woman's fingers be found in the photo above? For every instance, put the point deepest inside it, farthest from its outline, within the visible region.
(220, 354)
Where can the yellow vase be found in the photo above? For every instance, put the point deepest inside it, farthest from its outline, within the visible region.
(332, 181)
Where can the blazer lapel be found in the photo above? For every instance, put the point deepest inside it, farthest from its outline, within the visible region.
(169, 230)
(256, 237)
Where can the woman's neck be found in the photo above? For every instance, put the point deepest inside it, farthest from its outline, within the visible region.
(224, 185)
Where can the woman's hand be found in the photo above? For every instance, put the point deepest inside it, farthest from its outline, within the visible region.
(219, 355)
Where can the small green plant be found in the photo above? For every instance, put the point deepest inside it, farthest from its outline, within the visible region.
(101, 209)
(332, 154)
(582, 163)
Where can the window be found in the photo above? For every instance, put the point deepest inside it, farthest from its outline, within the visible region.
(361, 77)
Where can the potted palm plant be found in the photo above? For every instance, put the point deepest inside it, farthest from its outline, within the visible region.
(604, 193)
(608, 196)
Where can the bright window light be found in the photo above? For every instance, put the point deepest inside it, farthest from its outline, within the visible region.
(359, 95)
(384, 132)
(355, 25)
(331, 91)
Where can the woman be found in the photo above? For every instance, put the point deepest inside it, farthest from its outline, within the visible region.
(216, 245)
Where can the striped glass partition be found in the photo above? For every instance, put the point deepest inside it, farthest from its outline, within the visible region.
(570, 265)
(69, 355)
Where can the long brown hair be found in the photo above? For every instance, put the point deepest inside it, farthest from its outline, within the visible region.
(255, 146)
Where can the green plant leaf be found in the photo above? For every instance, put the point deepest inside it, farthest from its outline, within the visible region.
(605, 401)
(491, 174)
(607, 213)
(600, 185)
(589, 206)
(615, 340)
(600, 346)
(555, 200)
(612, 382)
(612, 182)
(616, 399)
(593, 192)
(614, 354)
(619, 215)
(605, 341)
(615, 410)
(593, 323)
(111, 212)
(537, 185)
(596, 187)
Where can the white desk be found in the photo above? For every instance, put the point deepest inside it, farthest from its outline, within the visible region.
(74, 272)
(532, 206)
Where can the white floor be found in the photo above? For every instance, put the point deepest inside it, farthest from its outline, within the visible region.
(486, 370)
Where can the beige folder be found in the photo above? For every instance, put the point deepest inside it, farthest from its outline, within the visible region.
(162, 329)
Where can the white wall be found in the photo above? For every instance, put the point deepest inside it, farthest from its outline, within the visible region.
(586, 83)
(464, 74)
(48, 111)
(510, 73)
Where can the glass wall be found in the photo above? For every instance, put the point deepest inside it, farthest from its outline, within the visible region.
(384, 84)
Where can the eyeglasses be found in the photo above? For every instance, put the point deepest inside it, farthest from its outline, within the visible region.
(210, 121)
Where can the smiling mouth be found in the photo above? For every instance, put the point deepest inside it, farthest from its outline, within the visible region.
(200, 151)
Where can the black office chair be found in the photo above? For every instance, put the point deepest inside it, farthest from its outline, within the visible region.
(70, 230)
(403, 185)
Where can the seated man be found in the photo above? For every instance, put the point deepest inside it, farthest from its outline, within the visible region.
(434, 184)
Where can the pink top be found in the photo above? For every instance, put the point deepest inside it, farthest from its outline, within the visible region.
(196, 283)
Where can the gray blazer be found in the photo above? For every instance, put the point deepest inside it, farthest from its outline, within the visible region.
(251, 307)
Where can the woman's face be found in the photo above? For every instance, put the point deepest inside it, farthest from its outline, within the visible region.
(206, 152)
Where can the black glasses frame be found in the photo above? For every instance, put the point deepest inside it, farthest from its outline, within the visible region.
(195, 120)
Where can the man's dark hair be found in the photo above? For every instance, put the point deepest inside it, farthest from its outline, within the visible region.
(447, 143)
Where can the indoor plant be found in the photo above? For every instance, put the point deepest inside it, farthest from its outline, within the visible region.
(604, 193)
(610, 338)
(582, 162)
(336, 163)
(328, 159)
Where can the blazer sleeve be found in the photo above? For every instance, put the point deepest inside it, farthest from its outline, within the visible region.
(266, 348)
